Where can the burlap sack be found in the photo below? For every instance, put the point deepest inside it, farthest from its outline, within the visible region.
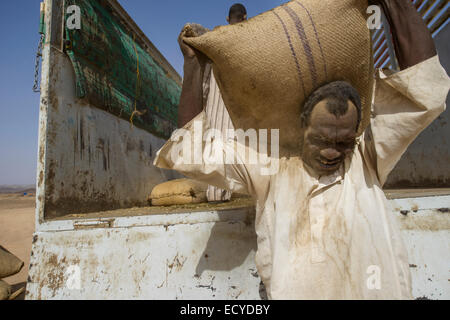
(9, 263)
(5, 290)
(267, 66)
(178, 192)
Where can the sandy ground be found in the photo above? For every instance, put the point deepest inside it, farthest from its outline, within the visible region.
(16, 232)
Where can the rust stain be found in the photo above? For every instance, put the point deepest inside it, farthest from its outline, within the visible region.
(82, 146)
(74, 205)
(440, 182)
(53, 97)
(431, 223)
(130, 146)
(41, 153)
(54, 278)
(94, 225)
(139, 237)
(103, 147)
(50, 181)
(177, 263)
(108, 157)
(41, 178)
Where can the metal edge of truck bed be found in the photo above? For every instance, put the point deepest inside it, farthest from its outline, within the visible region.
(425, 213)
(123, 219)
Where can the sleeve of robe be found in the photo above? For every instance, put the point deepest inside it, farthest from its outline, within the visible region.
(226, 165)
(404, 104)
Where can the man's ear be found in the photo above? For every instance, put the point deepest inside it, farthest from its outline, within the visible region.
(245, 17)
(228, 19)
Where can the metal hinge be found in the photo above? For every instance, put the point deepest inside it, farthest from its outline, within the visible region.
(93, 224)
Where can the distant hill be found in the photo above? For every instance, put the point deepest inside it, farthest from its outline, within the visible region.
(30, 188)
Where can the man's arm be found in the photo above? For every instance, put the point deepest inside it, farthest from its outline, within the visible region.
(185, 152)
(191, 99)
(405, 102)
(412, 40)
(224, 163)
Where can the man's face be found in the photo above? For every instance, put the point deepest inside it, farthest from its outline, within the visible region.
(329, 139)
(234, 20)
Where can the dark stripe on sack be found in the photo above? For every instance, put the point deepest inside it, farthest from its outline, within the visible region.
(306, 46)
(299, 70)
(317, 36)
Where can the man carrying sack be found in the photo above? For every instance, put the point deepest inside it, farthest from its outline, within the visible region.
(324, 227)
(215, 109)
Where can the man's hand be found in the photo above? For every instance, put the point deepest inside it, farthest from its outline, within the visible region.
(412, 39)
(191, 30)
(187, 51)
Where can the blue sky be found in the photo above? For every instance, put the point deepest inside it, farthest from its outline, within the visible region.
(161, 21)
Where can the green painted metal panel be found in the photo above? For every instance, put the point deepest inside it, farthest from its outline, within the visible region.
(114, 72)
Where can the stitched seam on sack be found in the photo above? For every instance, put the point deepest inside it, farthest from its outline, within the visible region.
(317, 36)
(299, 70)
(306, 46)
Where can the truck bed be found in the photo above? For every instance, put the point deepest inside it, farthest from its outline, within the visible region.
(239, 202)
(236, 203)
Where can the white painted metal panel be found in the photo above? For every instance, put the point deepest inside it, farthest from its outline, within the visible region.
(203, 260)
(429, 258)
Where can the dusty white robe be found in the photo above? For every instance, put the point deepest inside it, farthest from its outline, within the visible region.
(332, 237)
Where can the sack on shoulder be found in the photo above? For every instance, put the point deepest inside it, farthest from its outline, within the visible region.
(267, 67)
(9, 263)
(5, 290)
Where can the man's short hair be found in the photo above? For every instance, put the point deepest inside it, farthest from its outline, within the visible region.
(337, 93)
(237, 11)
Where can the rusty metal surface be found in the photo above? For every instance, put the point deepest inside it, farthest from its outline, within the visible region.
(416, 193)
(94, 161)
(88, 160)
(116, 73)
(208, 259)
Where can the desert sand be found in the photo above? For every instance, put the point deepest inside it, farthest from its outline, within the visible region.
(16, 232)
